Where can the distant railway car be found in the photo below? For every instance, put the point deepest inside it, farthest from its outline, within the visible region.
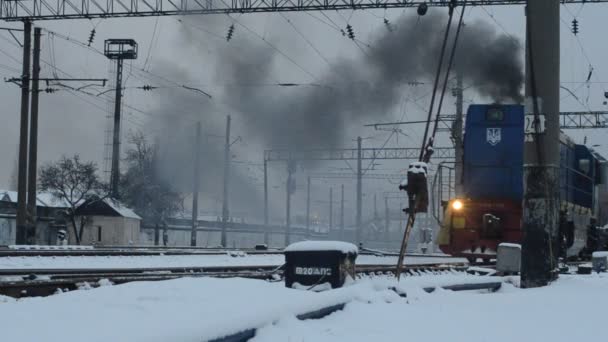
(490, 209)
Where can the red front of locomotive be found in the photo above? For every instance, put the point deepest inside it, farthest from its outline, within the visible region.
(475, 228)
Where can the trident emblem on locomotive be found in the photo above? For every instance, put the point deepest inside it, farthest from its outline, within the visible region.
(493, 136)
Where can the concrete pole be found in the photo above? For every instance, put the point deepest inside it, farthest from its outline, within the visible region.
(196, 181)
(225, 212)
(33, 146)
(342, 211)
(331, 209)
(308, 207)
(541, 147)
(359, 192)
(21, 237)
(457, 136)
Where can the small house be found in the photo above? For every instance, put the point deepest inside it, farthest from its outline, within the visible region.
(50, 213)
(108, 222)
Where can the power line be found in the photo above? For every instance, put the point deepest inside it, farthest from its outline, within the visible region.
(491, 15)
(275, 48)
(202, 29)
(151, 43)
(306, 40)
(578, 40)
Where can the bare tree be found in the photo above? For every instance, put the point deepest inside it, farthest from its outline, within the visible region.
(143, 188)
(74, 182)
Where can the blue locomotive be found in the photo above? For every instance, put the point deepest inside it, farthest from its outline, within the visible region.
(489, 211)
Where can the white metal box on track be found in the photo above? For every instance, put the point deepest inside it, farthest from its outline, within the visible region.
(508, 258)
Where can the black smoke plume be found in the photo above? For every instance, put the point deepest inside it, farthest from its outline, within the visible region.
(369, 86)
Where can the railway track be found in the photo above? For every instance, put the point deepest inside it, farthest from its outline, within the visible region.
(5, 251)
(20, 283)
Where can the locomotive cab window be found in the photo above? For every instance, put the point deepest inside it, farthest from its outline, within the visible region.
(584, 165)
(495, 114)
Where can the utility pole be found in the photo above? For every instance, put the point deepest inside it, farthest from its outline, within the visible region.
(33, 146)
(225, 213)
(331, 209)
(196, 181)
(541, 147)
(359, 192)
(342, 211)
(118, 49)
(21, 237)
(457, 135)
(375, 208)
(308, 207)
(266, 193)
(386, 219)
(291, 168)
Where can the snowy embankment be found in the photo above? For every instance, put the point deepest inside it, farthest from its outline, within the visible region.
(197, 309)
(187, 261)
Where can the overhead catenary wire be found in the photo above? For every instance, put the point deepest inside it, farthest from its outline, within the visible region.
(293, 26)
(151, 45)
(509, 35)
(143, 71)
(436, 82)
(276, 49)
(578, 39)
(447, 73)
(332, 24)
(78, 91)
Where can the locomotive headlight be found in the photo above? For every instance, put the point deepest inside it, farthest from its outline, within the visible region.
(457, 205)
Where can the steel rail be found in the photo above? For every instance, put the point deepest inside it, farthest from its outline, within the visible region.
(25, 283)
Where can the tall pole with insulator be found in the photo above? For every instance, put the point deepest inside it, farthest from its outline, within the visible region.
(541, 147)
(32, 163)
(115, 168)
(21, 237)
(119, 50)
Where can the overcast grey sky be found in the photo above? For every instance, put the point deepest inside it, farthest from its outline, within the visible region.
(304, 50)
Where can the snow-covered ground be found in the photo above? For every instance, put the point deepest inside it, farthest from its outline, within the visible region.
(197, 309)
(186, 261)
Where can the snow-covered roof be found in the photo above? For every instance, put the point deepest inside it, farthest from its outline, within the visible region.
(9, 196)
(43, 199)
(46, 199)
(308, 246)
(121, 209)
